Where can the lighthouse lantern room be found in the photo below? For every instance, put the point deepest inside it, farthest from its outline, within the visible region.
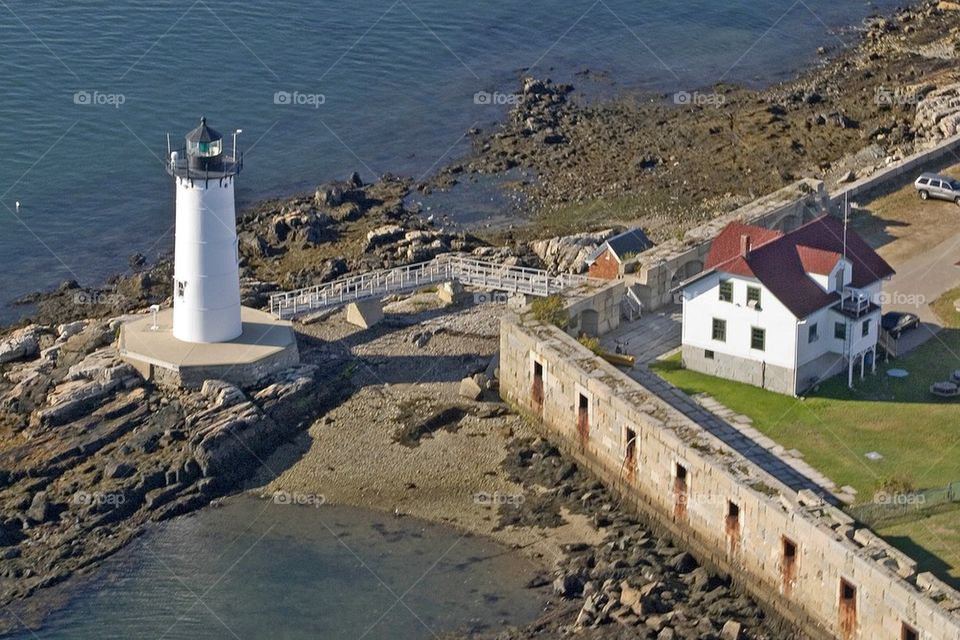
(206, 287)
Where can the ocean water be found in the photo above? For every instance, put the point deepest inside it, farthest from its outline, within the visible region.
(90, 89)
(253, 569)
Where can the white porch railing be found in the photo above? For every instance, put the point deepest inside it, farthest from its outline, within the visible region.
(444, 268)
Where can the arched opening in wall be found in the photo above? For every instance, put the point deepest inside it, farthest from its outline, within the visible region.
(680, 492)
(536, 391)
(908, 633)
(583, 420)
(788, 564)
(590, 322)
(848, 610)
(732, 526)
(630, 457)
(686, 270)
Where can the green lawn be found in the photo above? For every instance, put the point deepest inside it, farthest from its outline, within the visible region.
(934, 542)
(917, 434)
(945, 309)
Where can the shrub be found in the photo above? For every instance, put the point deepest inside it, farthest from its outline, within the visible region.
(896, 484)
(591, 343)
(550, 310)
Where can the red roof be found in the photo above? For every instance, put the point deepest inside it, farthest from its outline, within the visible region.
(727, 245)
(781, 261)
(818, 261)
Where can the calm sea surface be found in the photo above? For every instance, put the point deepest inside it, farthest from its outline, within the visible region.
(89, 89)
(257, 570)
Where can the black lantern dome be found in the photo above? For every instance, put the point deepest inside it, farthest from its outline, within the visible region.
(203, 155)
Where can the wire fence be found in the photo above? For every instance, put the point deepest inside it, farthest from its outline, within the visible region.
(892, 507)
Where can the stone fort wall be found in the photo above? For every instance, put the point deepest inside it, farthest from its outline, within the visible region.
(806, 559)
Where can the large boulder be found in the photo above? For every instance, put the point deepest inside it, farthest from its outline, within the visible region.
(470, 389)
(21, 344)
(569, 254)
(383, 235)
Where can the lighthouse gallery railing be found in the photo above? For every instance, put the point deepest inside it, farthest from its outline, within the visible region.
(445, 268)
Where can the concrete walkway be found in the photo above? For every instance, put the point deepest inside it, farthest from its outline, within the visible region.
(744, 439)
(649, 337)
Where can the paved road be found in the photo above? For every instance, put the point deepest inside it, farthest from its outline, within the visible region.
(921, 280)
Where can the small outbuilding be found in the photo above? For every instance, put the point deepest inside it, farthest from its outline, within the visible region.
(609, 259)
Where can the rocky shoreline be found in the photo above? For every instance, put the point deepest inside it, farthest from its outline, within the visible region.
(90, 454)
(453, 453)
(669, 162)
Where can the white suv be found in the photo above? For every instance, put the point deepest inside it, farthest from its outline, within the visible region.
(930, 185)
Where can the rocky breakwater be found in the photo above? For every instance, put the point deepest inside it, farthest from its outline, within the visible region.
(89, 453)
(637, 583)
(569, 254)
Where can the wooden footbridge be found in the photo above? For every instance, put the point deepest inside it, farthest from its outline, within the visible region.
(445, 268)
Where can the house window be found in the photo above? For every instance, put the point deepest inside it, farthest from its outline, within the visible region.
(758, 339)
(726, 291)
(708, 354)
(840, 330)
(753, 297)
(814, 334)
(908, 633)
(866, 328)
(181, 288)
(719, 330)
(838, 284)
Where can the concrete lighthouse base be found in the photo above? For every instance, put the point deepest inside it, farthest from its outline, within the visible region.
(267, 345)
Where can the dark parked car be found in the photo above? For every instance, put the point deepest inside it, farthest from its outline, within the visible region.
(896, 322)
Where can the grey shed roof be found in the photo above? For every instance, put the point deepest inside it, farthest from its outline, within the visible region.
(203, 133)
(631, 241)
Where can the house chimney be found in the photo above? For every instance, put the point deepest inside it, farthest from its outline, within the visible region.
(744, 245)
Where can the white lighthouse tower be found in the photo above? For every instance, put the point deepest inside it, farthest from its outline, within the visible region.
(207, 335)
(206, 288)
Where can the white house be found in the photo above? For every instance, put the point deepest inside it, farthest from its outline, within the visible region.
(783, 311)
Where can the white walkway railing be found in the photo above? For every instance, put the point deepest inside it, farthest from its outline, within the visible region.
(445, 268)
